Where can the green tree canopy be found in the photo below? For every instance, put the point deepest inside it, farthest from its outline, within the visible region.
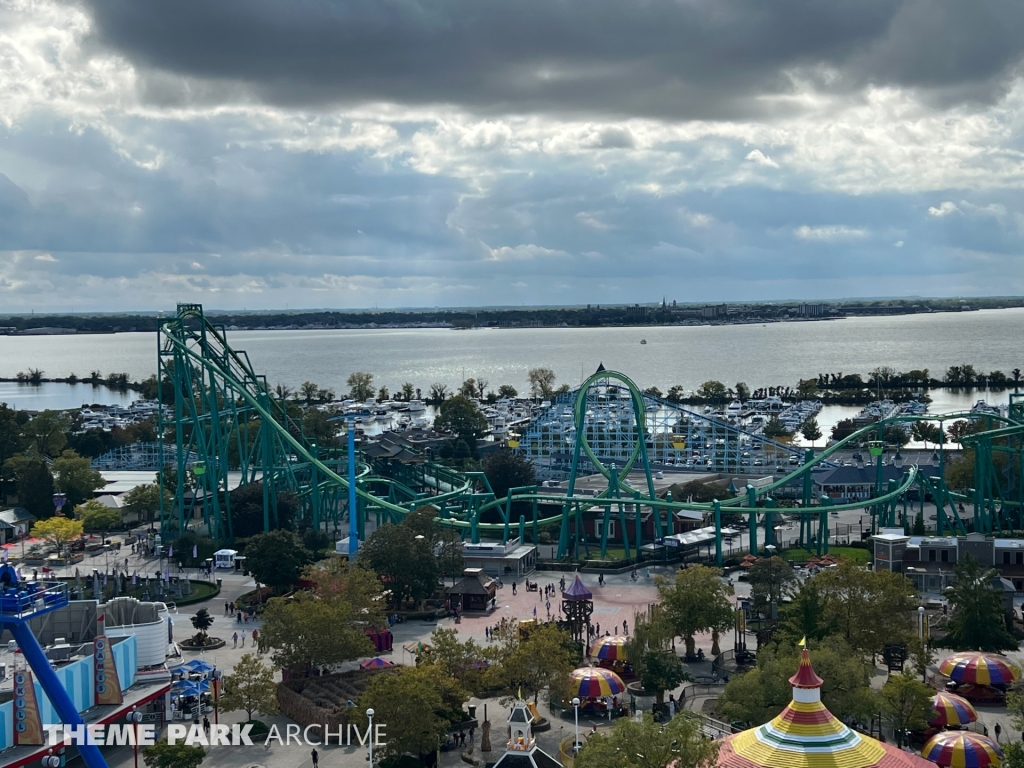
(655, 663)
(760, 694)
(250, 687)
(97, 517)
(75, 477)
(360, 386)
(407, 565)
(542, 382)
(460, 417)
(46, 433)
(275, 558)
(810, 430)
(771, 579)
(906, 704)
(697, 601)
(33, 484)
(144, 501)
(305, 631)
(412, 702)
(714, 391)
(508, 469)
(647, 744)
(867, 608)
(978, 622)
(544, 659)
(164, 755)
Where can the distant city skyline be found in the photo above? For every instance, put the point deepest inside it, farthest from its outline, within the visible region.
(354, 154)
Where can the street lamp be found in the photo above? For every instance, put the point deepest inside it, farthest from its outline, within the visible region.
(369, 717)
(920, 622)
(217, 675)
(135, 717)
(576, 739)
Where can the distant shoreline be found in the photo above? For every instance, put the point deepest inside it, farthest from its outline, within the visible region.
(597, 316)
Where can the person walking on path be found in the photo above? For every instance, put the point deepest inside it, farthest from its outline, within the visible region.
(514, 588)
(999, 730)
(234, 638)
(315, 757)
(243, 638)
(255, 637)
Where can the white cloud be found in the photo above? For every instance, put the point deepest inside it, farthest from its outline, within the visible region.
(696, 219)
(898, 244)
(757, 157)
(45, 257)
(523, 253)
(944, 209)
(591, 220)
(830, 233)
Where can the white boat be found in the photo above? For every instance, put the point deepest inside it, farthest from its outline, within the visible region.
(416, 406)
(735, 408)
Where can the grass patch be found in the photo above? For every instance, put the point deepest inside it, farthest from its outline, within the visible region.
(856, 554)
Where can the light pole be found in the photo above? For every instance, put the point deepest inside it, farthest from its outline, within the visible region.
(217, 674)
(369, 717)
(576, 738)
(920, 622)
(135, 717)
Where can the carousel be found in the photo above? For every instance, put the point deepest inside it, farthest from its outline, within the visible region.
(610, 653)
(598, 690)
(981, 678)
(807, 735)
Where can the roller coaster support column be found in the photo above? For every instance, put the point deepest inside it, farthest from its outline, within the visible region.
(53, 687)
(826, 502)
(639, 538)
(353, 522)
(805, 521)
(670, 525)
(522, 529)
(718, 533)
(751, 520)
(769, 521)
(474, 529)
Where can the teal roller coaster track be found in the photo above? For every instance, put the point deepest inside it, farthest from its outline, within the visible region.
(230, 429)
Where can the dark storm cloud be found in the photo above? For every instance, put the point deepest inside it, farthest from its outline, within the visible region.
(672, 58)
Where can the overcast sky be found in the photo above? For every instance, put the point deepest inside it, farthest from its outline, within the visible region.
(318, 153)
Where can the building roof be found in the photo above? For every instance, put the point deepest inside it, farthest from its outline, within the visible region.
(535, 758)
(807, 735)
(577, 591)
(474, 582)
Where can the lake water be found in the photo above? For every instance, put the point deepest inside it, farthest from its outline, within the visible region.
(761, 355)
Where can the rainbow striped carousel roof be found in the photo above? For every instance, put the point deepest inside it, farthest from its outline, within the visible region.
(807, 735)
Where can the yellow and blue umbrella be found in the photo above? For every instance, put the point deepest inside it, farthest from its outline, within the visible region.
(610, 648)
(978, 668)
(594, 682)
(951, 711)
(962, 749)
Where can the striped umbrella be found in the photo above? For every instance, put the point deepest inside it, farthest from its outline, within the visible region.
(376, 663)
(962, 749)
(951, 711)
(980, 668)
(610, 648)
(592, 682)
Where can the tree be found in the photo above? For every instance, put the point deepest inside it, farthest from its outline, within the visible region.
(978, 620)
(46, 434)
(408, 390)
(712, 391)
(143, 501)
(317, 427)
(742, 391)
(869, 608)
(75, 477)
(906, 704)
(843, 429)
(411, 701)
(1015, 704)
(927, 432)
(33, 484)
(338, 582)
(10, 433)
(542, 660)
(57, 531)
(164, 755)
(542, 382)
(438, 393)
(1013, 754)
(771, 579)
(250, 687)
(468, 388)
(97, 517)
(810, 430)
(460, 417)
(507, 469)
(360, 386)
(775, 428)
(805, 617)
(406, 564)
(760, 694)
(459, 659)
(646, 744)
(308, 391)
(202, 621)
(507, 391)
(697, 601)
(308, 633)
(655, 663)
(919, 529)
(275, 558)
(248, 513)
